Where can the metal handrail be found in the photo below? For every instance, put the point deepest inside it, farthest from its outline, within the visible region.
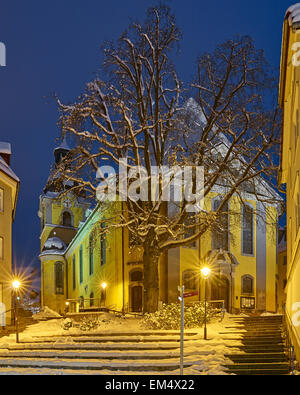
(288, 340)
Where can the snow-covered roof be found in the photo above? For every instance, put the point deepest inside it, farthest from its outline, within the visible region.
(64, 145)
(5, 148)
(54, 245)
(293, 15)
(7, 170)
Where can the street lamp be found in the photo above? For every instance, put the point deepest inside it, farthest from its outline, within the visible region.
(16, 285)
(205, 272)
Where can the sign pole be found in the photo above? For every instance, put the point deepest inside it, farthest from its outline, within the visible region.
(181, 298)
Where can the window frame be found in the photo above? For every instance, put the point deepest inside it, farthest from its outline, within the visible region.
(252, 230)
(243, 291)
(213, 244)
(74, 271)
(102, 246)
(80, 265)
(59, 290)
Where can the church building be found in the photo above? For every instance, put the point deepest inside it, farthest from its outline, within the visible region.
(82, 270)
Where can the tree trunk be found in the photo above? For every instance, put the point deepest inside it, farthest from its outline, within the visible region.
(151, 280)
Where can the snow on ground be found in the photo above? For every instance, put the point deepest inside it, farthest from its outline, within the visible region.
(206, 357)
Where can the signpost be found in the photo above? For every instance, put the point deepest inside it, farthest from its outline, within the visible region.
(181, 298)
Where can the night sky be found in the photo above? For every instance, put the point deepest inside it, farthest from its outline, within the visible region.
(54, 46)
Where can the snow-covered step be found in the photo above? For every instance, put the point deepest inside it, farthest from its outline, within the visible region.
(93, 364)
(90, 346)
(21, 354)
(112, 339)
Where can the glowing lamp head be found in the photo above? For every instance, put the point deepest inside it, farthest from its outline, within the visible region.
(104, 285)
(67, 303)
(205, 272)
(16, 284)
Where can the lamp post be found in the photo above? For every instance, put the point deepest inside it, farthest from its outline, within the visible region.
(205, 271)
(16, 285)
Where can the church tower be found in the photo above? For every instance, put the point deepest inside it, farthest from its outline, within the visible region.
(61, 216)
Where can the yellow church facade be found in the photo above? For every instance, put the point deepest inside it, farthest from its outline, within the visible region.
(90, 270)
(9, 187)
(289, 101)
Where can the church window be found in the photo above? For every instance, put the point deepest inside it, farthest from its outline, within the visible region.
(220, 233)
(80, 265)
(59, 278)
(247, 229)
(74, 272)
(247, 284)
(102, 245)
(91, 255)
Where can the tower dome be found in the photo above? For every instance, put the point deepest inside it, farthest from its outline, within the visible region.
(54, 245)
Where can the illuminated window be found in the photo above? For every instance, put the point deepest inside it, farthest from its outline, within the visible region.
(247, 303)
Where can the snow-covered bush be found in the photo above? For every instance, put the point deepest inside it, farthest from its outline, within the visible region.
(169, 316)
(67, 324)
(89, 323)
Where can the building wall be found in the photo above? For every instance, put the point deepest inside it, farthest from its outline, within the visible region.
(6, 218)
(289, 170)
(193, 258)
(121, 259)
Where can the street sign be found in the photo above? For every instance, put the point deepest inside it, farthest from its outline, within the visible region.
(189, 294)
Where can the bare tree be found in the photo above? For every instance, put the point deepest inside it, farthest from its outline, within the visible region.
(139, 113)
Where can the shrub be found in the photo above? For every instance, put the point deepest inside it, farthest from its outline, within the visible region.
(88, 324)
(170, 314)
(67, 324)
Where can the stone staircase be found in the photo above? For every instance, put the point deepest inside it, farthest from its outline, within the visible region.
(105, 353)
(262, 350)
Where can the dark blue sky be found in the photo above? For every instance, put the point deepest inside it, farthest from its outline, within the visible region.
(54, 46)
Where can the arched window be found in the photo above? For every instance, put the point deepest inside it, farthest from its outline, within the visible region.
(220, 233)
(59, 278)
(247, 230)
(247, 284)
(136, 275)
(66, 219)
